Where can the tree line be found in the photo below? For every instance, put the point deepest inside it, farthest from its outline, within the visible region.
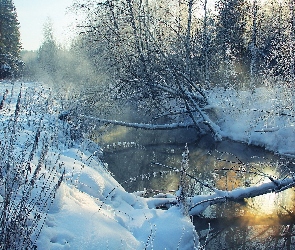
(235, 40)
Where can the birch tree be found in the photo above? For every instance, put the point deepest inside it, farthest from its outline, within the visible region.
(292, 39)
(253, 46)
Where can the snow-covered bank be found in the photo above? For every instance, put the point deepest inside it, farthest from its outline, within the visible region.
(264, 118)
(89, 210)
(92, 211)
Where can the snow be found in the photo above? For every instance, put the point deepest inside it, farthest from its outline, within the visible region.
(264, 118)
(91, 210)
(5, 67)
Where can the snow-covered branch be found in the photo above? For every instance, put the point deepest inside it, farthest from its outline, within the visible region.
(199, 203)
(140, 125)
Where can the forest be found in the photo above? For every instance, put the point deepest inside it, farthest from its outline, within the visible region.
(163, 57)
(177, 77)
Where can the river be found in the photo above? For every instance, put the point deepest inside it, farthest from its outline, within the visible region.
(264, 222)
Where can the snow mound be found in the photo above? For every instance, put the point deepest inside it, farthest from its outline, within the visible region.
(94, 212)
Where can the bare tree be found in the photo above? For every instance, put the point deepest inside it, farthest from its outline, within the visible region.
(206, 44)
(152, 51)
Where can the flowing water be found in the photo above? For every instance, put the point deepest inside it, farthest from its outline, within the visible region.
(264, 222)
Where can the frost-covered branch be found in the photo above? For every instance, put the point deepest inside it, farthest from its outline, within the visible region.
(140, 125)
(199, 203)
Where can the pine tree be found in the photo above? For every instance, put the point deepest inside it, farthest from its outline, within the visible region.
(47, 53)
(231, 24)
(9, 39)
(230, 40)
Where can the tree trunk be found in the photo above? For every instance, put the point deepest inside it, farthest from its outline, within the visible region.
(253, 64)
(205, 46)
(292, 40)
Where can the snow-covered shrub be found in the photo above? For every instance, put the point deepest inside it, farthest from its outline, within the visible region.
(30, 170)
(186, 189)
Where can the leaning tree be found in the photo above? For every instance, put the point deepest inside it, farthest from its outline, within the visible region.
(151, 48)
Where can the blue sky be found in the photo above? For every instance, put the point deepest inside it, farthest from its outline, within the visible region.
(32, 15)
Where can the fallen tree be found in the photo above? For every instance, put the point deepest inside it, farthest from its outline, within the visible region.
(152, 58)
(198, 203)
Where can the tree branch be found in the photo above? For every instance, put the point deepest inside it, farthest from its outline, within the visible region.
(141, 125)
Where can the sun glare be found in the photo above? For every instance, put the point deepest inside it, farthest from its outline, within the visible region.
(266, 204)
(271, 203)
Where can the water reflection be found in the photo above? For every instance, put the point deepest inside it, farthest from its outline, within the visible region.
(264, 222)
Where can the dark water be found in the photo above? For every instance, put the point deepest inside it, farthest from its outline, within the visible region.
(264, 222)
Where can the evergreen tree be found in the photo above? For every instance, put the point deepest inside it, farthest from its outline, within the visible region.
(47, 53)
(9, 39)
(230, 39)
(231, 25)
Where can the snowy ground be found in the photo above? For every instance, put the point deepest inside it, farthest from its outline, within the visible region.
(264, 118)
(90, 210)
